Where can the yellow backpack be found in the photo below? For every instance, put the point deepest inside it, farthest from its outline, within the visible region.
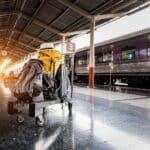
(51, 58)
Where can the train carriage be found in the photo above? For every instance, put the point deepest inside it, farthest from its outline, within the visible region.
(129, 56)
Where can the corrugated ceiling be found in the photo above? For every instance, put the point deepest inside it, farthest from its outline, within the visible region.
(25, 24)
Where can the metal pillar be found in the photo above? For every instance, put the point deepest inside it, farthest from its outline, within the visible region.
(72, 72)
(71, 48)
(110, 77)
(111, 66)
(63, 62)
(92, 54)
(63, 47)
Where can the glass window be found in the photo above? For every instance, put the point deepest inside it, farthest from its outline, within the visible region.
(143, 53)
(79, 62)
(128, 54)
(107, 57)
(99, 58)
(148, 51)
(82, 61)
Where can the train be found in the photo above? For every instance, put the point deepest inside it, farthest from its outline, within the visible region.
(125, 59)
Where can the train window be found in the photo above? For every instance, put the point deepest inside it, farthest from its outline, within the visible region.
(148, 51)
(82, 61)
(143, 53)
(99, 58)
(128, 54)
(107, 57)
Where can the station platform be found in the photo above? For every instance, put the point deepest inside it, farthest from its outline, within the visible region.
(101, 120)
(140, 99)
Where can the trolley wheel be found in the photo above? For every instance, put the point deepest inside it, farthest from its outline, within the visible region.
(20, 118)
(70, 107)
(40, 120)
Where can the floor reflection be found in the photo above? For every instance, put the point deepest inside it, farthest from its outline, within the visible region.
(93, 125)
(45, 143)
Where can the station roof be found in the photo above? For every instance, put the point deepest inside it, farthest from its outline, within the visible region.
(25, 24)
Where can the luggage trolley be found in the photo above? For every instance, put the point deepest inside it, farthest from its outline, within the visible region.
(36, 109)
(42, 82)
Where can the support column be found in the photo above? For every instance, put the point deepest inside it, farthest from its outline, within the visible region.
(63, 62)
(72, 70)
(92, 54)
(63, 47)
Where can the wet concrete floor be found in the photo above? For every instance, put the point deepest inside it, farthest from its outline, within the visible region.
(95, 124)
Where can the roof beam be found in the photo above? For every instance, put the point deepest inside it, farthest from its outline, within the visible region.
(75, 8)
(20, 31)
(29, 35)
(3, 28)
(75, 32)
(18, 18)
(5, 13)
(108, 16)
(53, 21)
(18, 49)
(23, 44)
(126, 4)
(13, 53)
(32, 18)
(97, 17)
(47, 27)
(21, 50)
